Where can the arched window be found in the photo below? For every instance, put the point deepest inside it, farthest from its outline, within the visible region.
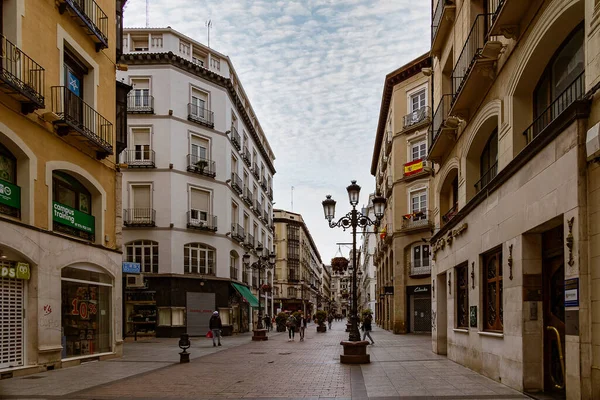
(10, 196)
(8, 165)
(198, 258)
(72, 207)
(144, 252)
(234, 260)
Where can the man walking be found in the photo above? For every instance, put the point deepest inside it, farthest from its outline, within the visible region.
(330, 320)
(302, 324)
(366, 327)
(267, 322)
(291, 325)
(215, 326)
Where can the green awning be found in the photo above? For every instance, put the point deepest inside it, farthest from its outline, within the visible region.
(246, 293)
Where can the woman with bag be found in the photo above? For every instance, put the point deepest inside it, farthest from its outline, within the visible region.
(215, 326)
(366, 327)
(291, 325)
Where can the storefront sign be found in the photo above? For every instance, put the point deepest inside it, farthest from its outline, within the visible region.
(10, 195)
(572, 292)
(70, 217)
(20, 271)
(421, 289)
(131, 268)
(388, 289)
(413, 167)
(424, 289)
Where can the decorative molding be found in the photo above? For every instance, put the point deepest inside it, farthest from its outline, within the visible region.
(449, 282)
(440, 244)
(473, 275)
(510, 31)
(569, 241)
(510, 261)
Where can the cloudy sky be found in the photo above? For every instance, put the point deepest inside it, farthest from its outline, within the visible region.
(314, 73)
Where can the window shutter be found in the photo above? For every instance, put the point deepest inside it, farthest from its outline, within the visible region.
(200, 200)
(140, 84)
(141, 196)
(141, 137)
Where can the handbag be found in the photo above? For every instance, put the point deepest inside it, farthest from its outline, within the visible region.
(209, 335)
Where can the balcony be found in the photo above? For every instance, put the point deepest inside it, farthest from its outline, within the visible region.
(236, 183)
(417, 220)
(142, 217)
(75, 116)
(450, 213)
(266, 216)
(441, 22)
(246, 156)
(21, 77)
(143, 158)
(202, 166)
(270, 194)
(442, 131)
(388, 143)
(201, 115)
(90, 17)
(257, 208)
(389, 186)
(418, 270)
(235, 138)
(250, 242)
(487, 177)
(247, 196)
(237, 232)
(506, 16)
(475, 70)
(140, 104)
(255, 170)
(200, 221)
(264, 184)
(417, 118)
(416, 169)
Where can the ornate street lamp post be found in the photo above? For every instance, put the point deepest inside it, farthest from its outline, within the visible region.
(264, 262)
(353, 220)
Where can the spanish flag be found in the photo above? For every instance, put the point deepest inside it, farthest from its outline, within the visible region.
(383, 233)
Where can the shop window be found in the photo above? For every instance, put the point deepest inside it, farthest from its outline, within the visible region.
(462, 297)
(171, 316)
(492, 291)
(86, 312)
(72, 207)
(144, 252)
(10, 193)
(198, 259)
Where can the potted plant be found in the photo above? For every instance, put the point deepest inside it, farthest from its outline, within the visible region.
(339, 264)
(266, 288)
(200, 165)
(280, 321)
(321, 318)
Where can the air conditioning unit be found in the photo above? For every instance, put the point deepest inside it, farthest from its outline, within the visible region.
(135, 281)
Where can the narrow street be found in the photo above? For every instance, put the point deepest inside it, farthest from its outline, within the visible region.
(401, 367)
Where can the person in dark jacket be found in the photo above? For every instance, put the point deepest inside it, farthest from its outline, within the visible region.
(215, 325)
(366, 327)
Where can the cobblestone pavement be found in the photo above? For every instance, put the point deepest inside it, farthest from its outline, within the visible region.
(402, 366)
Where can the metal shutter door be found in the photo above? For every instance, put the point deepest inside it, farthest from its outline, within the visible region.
(200, 307)
(11, 322)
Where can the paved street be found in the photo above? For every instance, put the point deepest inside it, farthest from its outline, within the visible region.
(401, 367)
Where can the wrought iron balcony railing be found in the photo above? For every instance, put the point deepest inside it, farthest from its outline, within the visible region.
(140, 104)
(439, 116)
(255, 170)
(257, 207)
(487, 177)
(494, 6)
(201, 115)
(264, 184)
(417, 116)
(237, 232)
(200, 165)
(236, 183)
(233, 272)
(236, 140)
(201, 221)
(139, 217)
(21, 77)
(417, 268)
(75, 115)
(450, 213)
(247, 196)
(250, 242)
(246, 156)
(570, 95)
(143, 158)
(416, 220)
(270, 194)
(90, 17)
(266, 216)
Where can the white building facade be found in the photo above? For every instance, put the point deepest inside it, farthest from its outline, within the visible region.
(197, 187)
(368, 279)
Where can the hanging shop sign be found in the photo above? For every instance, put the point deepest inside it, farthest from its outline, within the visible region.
(572, 292)
(132, 268)
(413, 167)
(19, 271)
(10, 195)
(70, 217)
(388, 289)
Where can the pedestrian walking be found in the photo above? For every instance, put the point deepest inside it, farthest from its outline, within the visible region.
(267, 322)
(330, 320)
(291, 325)
(215, 326)
(302, 325)
(366, 327)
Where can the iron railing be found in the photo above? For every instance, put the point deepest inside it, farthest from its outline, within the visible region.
(418, 219)
(436, 18)
(92, 17)
(236, 183)
(270, 194)
(487, 177)
(139, 217)
(417, 269)
(570, 95)
(255, 170)
(233, 272)
(235, 138)
(246, 156)
(439, 116)
(140, 104)
(263, 184)
(450, 213)
(250, 240)
(494, 7)
(21, 75)
(201, 115)
(201, 165)
(143, 158)
(469, 54)
(417, 116)
(247, 196)
(74, 113)
(206, 222)
(257, 207)
(266, 216)
(237, 232)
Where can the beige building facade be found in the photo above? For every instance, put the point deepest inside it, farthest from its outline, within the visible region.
(515, 276)
(403, 176)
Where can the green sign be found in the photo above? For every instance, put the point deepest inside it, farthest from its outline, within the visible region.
(70, 217)
(10, 194)
(20, 271)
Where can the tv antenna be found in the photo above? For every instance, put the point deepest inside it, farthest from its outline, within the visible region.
(208, 27)
(292, 199)
(147, 13)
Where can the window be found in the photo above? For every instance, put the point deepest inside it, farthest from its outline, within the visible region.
(462, 296)
(141, 196)
(10, 202)
(8, 165)
(75, 72)
(234, 213)
(198, 148)
(198, 259)
(141, 143)
(199, 206)
(488, 161)
(73, 199)
(418, 101)
(144, 252)
(418, 205)
(171, 316)
(418, 151)
(157, 40)
(420, 256)
(140, 92)
(198, 59)
(139, 43)
(492, 291)
(215, 63)
(292, 292)
(234, 265)
(199, 103)
(184, 47)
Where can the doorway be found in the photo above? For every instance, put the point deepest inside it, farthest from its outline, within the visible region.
(553, 280)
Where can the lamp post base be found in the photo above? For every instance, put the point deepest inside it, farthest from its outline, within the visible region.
(259, 335)
(348, 326)
(355, 352)
(321, 329)
(184, 357)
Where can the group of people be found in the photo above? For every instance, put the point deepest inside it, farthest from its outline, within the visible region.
(294, 324)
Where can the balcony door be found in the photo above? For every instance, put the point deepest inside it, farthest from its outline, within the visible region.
(75, 72)
(199, 152)
(141, 93)
(199, 103)
(199, 206)
(418, 205)
(141, 143)
(141, 200)
(418, 150)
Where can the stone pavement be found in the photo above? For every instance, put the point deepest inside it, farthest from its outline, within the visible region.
(402, 366)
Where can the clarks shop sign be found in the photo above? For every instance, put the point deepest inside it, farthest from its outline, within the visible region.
(70, 217)
(424, 289)
(20, 271)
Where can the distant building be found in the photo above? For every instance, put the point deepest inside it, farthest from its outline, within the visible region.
(368, 279)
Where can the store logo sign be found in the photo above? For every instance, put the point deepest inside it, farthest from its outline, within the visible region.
(10, 194)
(70, 217)
(20, 271)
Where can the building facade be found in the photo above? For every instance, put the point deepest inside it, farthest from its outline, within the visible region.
(60, 282)
(299, 269)
(367, 280)
(403, 176)
(341, 284)
(197, 188)
(515, 272)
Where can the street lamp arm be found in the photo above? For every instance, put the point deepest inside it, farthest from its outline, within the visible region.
(353, 219)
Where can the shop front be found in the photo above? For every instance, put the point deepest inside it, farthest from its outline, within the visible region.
(419, 308)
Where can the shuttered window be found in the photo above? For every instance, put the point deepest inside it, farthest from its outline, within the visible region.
(199, 148)
(199, 204)
(11, 320)
(141, 196)
(141, 143)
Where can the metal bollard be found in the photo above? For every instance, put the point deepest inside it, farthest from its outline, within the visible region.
(184, 344)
